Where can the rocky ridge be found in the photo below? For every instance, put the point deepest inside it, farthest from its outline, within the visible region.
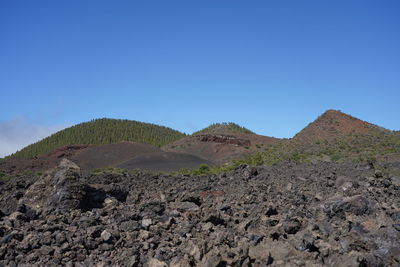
(290, 214)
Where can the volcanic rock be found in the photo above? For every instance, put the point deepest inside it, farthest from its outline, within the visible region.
(145, 219)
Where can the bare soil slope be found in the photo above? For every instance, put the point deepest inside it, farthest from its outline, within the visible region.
(104, 156)
(163, 161)
(42, 162)
(89, 157)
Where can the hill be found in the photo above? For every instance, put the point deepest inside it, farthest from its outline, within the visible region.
(130, 155)
(336, 124)
(103, 131)
(334, 136)
(221, 143)
(224, 128)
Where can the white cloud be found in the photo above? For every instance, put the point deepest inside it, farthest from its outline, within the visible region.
(18, 132)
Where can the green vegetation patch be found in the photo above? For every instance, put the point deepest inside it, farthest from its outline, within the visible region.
(5, 176)
(118, 171)
(9, 176)
(225, 127)
(205, 169)
(126, 172)
(103, 131)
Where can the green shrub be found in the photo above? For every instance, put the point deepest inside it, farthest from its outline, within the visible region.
(5, 176)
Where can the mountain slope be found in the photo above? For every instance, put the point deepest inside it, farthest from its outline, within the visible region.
(221, 143)
(334, 124)
(103, 131)
(334, 136)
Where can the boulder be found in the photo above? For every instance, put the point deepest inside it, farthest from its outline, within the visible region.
(357, 205)
(63, 189)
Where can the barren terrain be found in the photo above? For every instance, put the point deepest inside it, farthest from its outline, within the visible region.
(285, 215)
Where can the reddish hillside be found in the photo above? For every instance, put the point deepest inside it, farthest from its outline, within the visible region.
(88, 157)
(334, 124)
(42, 162)
(221, 147)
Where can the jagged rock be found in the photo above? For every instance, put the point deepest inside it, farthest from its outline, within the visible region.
(212, 259)
(9, 237)
(236, 219)
(357, 205)
(63, 190)
(292, 226)
(129, 226)
(378, 174)
(59, 189)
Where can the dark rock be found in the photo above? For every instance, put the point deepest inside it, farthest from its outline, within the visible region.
(357, 205)
(60, 238)
(236, 219)
(271, 211)
(183, 228)
(215, 219)
(129, 226)
(213, 259)
(395, 215)
(152, 208)
(253, 172)
(68, 192)
(305, 243)
(13, 235)
(386, 183)
(292, 226)
(194, 199)
(378, 174)
(18, 195)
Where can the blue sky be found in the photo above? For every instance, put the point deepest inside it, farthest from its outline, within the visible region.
(271, 66)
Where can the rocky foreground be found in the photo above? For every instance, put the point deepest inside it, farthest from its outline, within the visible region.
(285, 215)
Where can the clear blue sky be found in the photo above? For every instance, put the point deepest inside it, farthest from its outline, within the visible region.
(272, 66)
